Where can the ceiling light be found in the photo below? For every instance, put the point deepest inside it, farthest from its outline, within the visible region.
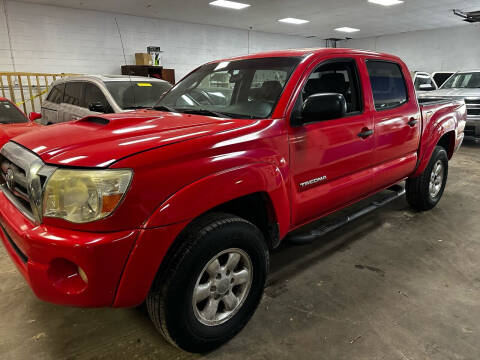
(386, 2)
(294, 21)
(229, 4)
(347, 29)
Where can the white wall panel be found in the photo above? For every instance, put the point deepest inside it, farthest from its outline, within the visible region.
(57, 39)
(450, 49)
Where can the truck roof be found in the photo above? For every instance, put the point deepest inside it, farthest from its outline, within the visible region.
(308, 51)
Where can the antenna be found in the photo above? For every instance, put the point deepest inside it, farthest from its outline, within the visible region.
(125, 59)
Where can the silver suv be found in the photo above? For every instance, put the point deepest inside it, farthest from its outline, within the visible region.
(464, 85)
(76, 97)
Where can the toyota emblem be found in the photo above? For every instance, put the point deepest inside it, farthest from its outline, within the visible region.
(10, 179)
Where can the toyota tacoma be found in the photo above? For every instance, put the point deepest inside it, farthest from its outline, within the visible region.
(179, 206)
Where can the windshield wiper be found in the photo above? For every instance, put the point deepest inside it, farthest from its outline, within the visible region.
(164, 108)
(203, 112)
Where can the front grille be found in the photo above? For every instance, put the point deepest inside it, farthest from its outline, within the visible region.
(23, 175)
(473, 111)
(16, 187)
(469, 130)
(472, 101)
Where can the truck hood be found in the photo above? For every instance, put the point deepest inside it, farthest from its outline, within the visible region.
(101, 141)
(453, 93)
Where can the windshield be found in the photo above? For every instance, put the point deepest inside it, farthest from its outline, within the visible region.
(463, 81)
(9, 114)
(136, 93)
(242, 88)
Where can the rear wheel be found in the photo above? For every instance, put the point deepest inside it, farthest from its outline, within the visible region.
(424, 192)
(212, 284)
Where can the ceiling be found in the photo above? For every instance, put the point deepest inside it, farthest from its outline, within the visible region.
(324, 15)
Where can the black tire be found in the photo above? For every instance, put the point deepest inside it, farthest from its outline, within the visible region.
(418, 193)
(169, 302)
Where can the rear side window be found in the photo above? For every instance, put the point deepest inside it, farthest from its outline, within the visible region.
(388, 84)
(73, 93)
(56, 95)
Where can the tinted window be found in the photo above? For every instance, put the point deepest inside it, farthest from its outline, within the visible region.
(73, 93)
(336, 77)
(388, 85)
(56, 95)
(424, 79)
(93, 94)
(440, 78)
(463, 81)
(136, 94)
(9, 114)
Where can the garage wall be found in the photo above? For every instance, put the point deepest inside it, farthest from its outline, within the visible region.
(449, 49)
(56, 39)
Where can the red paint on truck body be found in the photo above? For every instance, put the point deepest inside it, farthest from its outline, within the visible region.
(185, 165)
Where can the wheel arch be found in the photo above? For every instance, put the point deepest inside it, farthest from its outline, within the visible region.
(256, 193)
(232, 191)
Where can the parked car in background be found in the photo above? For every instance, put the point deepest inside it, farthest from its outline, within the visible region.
(179, 206)
(14, 122)
(441, 76)
(464, 85)
(423, 82)
(76, 97)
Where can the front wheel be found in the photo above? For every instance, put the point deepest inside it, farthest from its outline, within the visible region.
(212, 283)
(424, 192)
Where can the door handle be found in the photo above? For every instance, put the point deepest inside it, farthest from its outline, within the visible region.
(412, 122)
(365, 133)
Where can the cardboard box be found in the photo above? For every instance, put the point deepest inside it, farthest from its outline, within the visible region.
(143, 59)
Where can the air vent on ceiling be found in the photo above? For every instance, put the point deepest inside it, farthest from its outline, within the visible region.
(471, 17)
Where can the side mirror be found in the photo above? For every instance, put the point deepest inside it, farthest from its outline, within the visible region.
(34, 116)
(96, 107)
(326, 106)
(426, 87)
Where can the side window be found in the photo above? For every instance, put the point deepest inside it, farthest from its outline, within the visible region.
(388, 84)
(93, 95)
(56, 95)
(424, 79)
(73, 93)
(339, 76)
(267, 85)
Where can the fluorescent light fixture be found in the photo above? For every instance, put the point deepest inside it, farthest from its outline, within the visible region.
(294, 21)
(229, 4)
(386, 2)
(347, 29)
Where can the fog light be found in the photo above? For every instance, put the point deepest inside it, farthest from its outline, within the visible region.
(82, 274)
(67, 277)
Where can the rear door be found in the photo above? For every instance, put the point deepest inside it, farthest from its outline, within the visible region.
(397, 121)
(331, 163)
(51, 105)
(71, 108)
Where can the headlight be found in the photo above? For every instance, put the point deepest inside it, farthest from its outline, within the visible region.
(82, 196)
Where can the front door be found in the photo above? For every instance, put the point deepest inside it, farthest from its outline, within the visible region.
(331, 160)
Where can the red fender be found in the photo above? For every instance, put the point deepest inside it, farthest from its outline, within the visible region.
(440, 124)
(211, 191)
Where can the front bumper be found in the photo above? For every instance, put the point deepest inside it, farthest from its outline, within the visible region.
(49, 258)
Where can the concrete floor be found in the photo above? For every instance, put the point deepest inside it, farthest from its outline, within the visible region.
(393, 285)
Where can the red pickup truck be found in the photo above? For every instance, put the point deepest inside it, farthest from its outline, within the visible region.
(179, 205)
